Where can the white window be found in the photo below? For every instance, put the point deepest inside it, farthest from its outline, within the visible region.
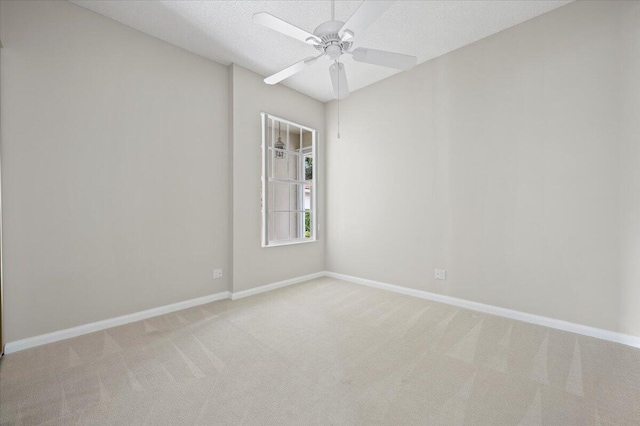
(289, 177)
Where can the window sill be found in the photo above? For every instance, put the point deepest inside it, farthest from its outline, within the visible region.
(289, 243)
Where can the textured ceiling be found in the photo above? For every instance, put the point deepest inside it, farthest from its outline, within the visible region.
(224, 32)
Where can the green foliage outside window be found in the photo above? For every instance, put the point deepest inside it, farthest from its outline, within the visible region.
(308, 168)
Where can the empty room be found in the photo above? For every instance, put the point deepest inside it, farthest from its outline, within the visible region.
(320, 212)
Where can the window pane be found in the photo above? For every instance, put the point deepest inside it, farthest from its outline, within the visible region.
(281, 226)
(307, 199)
(307, 139)
(280, 199)
(275, 134)
(308, 167)
(280, 164)
(309, 209)
(295, 225)
(307, 223)
(293, 167)
(295, 196)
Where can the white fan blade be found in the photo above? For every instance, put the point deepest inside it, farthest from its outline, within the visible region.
(289, 71)
(270, 21)
(365, 15)
(386, 59)
(339, 80)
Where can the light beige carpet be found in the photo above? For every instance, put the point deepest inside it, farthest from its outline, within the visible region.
(324, 352)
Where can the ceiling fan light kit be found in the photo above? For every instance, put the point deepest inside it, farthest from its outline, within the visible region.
(334, 39)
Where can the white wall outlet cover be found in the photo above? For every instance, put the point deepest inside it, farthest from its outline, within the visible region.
(217, 273)
(441, 274)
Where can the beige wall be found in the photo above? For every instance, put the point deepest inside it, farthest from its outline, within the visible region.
(114, 169)
(253, 265)
(513, 163)
(629, 188)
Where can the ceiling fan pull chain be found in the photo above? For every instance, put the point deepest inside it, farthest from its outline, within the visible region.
(338, 64)
(338, 118)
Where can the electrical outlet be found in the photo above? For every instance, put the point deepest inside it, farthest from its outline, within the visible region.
(217, 273)
(441, 274)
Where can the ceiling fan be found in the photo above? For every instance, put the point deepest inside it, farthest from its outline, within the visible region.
(334, 39)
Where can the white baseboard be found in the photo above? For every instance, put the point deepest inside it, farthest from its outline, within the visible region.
(68, 333)
(585, 330)
(268, 287)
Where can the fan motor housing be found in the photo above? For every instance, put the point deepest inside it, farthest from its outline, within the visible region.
(330, 40)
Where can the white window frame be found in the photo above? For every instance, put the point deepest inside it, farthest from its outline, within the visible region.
(266, 157)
